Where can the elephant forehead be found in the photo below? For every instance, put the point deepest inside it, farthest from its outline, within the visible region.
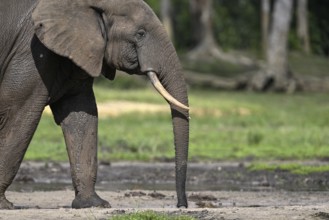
(135, 10)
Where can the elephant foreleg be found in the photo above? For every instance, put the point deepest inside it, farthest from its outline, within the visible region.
(77, 116)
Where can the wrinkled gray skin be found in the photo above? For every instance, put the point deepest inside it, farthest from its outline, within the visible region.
(50, 51)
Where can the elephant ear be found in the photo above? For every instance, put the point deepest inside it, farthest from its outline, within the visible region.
(71, 29)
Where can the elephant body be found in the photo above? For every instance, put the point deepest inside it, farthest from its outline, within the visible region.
(42, 63)
(32, 77)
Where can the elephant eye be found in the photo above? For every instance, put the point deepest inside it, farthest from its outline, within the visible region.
(140, 34)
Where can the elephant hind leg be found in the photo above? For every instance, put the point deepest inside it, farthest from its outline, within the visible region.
(5, 204)
(15, 137)
(3, 118)
(18, 126)
(23, 96)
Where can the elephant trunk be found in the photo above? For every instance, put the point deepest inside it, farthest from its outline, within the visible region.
(175, 85)
(158, 86)
(180, 119)
(161, 60)
(158, 59)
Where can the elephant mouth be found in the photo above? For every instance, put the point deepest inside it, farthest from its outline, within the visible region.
(163, 92)
(156, 84)
(129, 68)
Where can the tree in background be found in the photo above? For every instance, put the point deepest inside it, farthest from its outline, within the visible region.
(233, 27)
(202, 29)
(166, 17)
(277, 53)
(265, 19)
(302, 25)
(203, 35)
(276, 74)
(236, 25)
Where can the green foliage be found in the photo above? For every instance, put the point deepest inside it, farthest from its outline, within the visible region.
(233, 22)
(155, 5)
(150, 215)
(182, 25)
(236, 25)
(319, 26)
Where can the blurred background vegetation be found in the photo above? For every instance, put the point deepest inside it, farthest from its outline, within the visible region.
(243, 42)
(237, 25)
(242, 108)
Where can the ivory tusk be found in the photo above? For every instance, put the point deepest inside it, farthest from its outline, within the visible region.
(159, 87)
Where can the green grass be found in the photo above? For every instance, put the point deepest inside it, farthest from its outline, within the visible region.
(294, 168)
(48, 142)
(150, 215)
(224, 126)
(278, 127)
(309, 65)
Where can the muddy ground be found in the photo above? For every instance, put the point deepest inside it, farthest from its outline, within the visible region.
(215, 191)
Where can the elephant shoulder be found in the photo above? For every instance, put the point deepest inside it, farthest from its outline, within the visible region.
(14, 15)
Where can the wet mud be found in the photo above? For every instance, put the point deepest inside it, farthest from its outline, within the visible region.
(160, 176)
(215, 191)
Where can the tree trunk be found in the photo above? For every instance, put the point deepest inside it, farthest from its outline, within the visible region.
(276, 74)
(201, 12)
(202, 31)
(277, 53)
(265, 16)
(167, 18)
(302, 25)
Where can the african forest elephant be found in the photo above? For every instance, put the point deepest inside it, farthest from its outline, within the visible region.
(50, 52)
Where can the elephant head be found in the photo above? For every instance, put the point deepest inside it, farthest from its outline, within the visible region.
(101, 36)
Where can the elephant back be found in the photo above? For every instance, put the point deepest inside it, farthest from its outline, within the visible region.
(14, 15)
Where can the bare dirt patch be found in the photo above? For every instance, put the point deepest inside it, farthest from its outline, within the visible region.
(117, 108)
(226, 205)
(215, 191)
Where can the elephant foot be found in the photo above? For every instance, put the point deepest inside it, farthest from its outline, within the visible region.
(94, 200)
(5, 204)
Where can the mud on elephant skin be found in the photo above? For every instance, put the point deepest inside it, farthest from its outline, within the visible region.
(50, 53)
